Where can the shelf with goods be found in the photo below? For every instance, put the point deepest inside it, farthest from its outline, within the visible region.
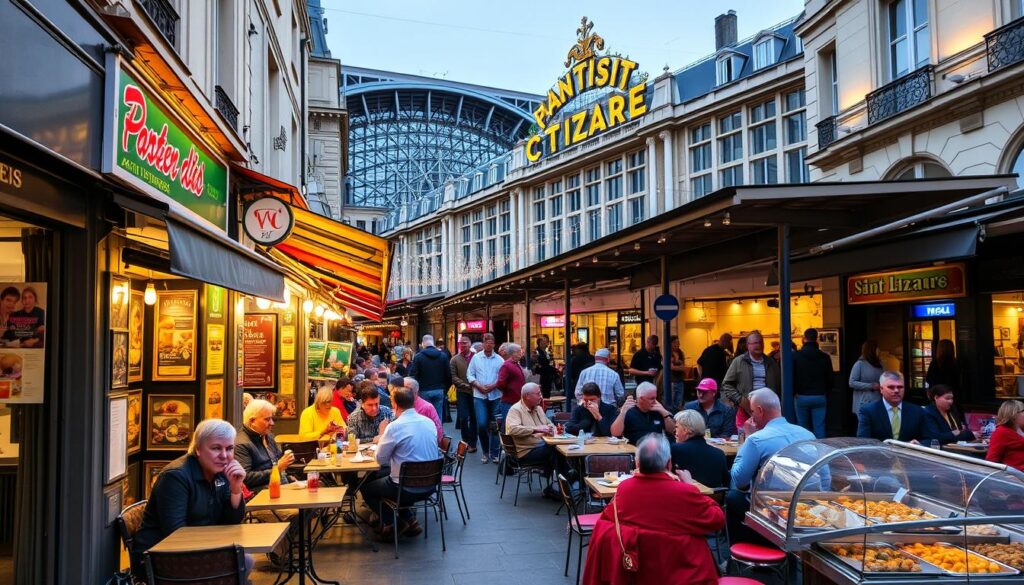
(1006, 365)
(921, 347)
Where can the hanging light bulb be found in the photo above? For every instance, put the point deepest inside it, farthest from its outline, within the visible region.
(150, 295)
(707, 222)
(307, 306)
(319, 311)
(262, 303)
(404, 323)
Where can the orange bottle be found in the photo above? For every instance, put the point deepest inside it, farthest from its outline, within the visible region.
(275, 483)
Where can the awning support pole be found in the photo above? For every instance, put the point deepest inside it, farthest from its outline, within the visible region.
(666, 347)
(526, 343)
(566, 372)
(785, 325)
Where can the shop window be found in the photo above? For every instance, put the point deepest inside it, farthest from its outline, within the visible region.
(1008, 339)
(556, 237)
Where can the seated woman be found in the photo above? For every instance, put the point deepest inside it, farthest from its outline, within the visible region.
(343, 397)
(201, 488)
(692, 453)
(942, 421)
(320, 418)
(1007, 443)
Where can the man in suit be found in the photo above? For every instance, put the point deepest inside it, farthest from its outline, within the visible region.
(890, 417)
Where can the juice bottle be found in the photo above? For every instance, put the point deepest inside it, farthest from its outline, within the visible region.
(275, 483)
(352, 445)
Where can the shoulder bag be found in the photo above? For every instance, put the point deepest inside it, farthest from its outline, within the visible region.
(630, 560)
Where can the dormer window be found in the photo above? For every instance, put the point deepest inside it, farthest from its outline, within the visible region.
(766, 50)
(727, 67)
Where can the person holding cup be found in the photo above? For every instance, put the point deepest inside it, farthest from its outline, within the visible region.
(321, 418)
(942, 421)
(257, 450)
(646, 363)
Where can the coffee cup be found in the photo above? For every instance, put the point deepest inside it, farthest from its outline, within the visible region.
(611, 476)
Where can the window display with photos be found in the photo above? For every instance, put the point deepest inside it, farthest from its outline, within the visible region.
(865, 511)
(1008, 344)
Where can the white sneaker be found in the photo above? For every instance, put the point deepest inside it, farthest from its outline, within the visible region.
(495, 459)
(484, 459)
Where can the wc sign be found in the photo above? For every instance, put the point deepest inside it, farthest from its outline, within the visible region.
(268, 221)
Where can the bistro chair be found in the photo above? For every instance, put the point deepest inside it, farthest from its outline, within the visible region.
(453, 481)
(444, 445)
(597, 465)
(216, 566)
(521, 471)
(128, 523)
(419, 474)
(495, 432)
(580, 525)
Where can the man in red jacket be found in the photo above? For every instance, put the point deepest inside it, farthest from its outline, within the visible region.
(663, 519)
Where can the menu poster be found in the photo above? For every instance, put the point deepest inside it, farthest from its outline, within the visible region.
(214, 349)
(259, 343)
(216, 301)
(213, 404)
(288, 343)
(134, 421)
(286, 392)
(22, 342)
(136, 328)
(117, 435)
(174, 356)
(828, 342)
(119, 359)
(337, 357)
(315, 351)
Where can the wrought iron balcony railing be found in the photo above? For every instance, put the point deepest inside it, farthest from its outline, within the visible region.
(226, 107)
(1005, 45)
(164, 17)
(826, 132)
(906, 92)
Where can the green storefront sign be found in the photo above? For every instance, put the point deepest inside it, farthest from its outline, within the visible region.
(151, 147)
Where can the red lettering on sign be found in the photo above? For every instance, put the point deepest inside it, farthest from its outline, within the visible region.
(265, 217)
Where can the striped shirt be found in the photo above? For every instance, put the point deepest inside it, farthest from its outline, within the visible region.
(606, 379)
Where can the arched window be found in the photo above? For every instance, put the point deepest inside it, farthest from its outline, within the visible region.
(920, 169)
(1018, 167)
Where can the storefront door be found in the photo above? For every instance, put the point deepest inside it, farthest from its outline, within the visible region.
(923, 337)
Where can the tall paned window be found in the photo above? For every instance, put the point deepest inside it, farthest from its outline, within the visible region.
(700, 160)
(730, 130)
(594, 224)
(556, 237)
(614, 218)
(795, 143)
(1018, 165)
(540, 242)
(575, 233)
(613, 183)
(763, 170)
(637, 172)
(593, 186)
(834, 80)
(909, 38)
(572, 192)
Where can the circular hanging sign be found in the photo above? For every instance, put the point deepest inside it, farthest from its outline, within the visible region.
(268, 221)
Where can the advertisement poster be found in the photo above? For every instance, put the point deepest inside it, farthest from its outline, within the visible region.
(136, 328)
(22, 342)
(337, 357)
(286, 392)
(119, 359)
(216, 300)
(171, 420)
(134, 421)
(174, 356)
(259, 344)
(214, 349)
(117, 433)
(214, 401)
(315, 359)
(288, 343)
(120, 295)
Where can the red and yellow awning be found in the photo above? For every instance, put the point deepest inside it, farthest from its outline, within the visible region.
(352, 265)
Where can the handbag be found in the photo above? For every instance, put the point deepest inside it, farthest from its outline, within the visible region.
(630, 560)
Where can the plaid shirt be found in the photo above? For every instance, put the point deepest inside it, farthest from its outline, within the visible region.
(606, 379)
(366, 428)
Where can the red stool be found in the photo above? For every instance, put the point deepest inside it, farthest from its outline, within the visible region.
(737, 581)
(749, 556)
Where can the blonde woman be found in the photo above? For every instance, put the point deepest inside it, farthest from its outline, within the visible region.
(321, 418)
(1007, 443)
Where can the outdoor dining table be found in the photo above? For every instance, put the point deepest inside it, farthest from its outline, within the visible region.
(729, 448)
(556, 403)
(304, 500)
(254, 538)
(566, 447)
(344, 464)
(604, 491)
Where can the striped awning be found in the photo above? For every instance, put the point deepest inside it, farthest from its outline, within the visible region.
(352, 265)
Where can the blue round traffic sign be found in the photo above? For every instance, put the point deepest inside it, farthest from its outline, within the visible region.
(666, 307)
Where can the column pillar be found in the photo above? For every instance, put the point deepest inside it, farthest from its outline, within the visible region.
(445, 255)
(513, 226)
(522, 254)
(652, 178)
(666, 138)
(785, 325)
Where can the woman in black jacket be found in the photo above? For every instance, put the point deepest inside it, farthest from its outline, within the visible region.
(942, 422)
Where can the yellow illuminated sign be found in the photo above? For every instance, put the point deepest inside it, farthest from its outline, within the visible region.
(587, 71)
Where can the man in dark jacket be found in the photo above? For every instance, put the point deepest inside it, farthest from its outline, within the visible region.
(256, 449)
(592, 415)
(431, 370)
(581, 360)
(714, 361)
(812, 379)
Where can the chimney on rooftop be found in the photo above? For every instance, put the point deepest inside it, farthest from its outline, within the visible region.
(725, 30)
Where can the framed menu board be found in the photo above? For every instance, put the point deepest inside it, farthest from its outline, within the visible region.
(174, 355)
(315, 351)
(259, 345)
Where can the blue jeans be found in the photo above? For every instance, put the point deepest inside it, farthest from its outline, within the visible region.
(466, 417)
(503, 408)
(486, 411)
(810, 414)
(676, 402)
(436, 398)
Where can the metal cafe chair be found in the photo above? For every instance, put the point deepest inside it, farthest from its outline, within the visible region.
(419, 474)
(453, 481)
(128, 523)
(580, 525)
(521, 471)
(218, 566)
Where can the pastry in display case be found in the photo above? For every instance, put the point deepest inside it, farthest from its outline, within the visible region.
(863, 511)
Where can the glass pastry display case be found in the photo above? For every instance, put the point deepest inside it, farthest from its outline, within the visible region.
(862, 511)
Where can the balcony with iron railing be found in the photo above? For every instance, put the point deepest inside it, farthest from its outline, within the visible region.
(826, 132)
(226, 107)
(165, 17)
(1005, 45)
(902, 94)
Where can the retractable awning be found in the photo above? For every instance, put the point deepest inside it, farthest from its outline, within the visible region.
(248, 183)
(200, 251)
(352, 265)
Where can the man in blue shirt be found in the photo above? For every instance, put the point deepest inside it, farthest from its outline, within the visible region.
(772, 433)
(718, 418)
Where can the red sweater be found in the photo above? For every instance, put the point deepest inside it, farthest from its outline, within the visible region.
(1007, 447)
(667, 522)
(510, 382)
